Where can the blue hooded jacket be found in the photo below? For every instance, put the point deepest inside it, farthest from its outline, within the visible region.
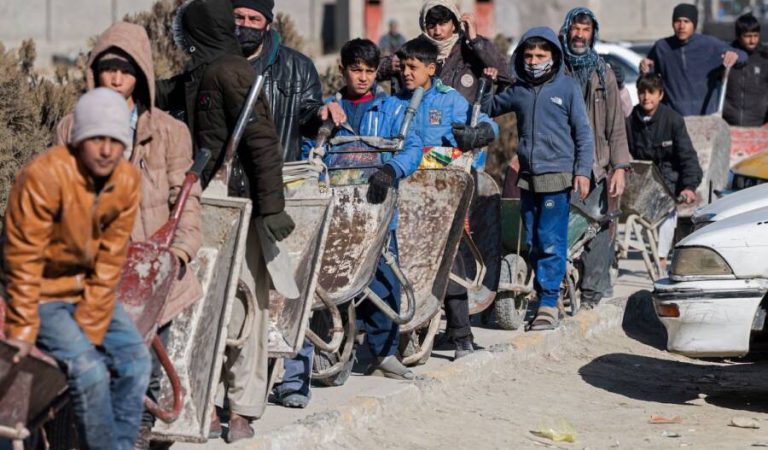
(552, 122)
(692, 72)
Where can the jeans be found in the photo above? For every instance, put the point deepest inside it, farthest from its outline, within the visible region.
(545, 219)
(106, 383)
(297, 371)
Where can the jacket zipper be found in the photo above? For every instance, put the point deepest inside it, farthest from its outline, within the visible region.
(533, 124)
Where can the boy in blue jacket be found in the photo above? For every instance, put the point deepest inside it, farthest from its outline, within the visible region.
(364, 105)
(555, 153)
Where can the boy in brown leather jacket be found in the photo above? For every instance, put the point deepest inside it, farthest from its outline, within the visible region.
(67, 226)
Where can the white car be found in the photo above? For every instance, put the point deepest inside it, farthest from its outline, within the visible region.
(713, 300)
(731, 205)
(616, 55)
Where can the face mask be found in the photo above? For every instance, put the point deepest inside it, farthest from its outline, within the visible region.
(250, 39)
(536, 71)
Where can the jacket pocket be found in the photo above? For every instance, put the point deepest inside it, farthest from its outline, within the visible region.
(290, 95)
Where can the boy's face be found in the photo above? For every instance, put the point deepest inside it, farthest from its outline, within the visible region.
(358, 78)
(121, 82)
(536, 55)
(749, 41)
(683, 27)
(417, 74)
(100, 155)
(441, 31)
(650, 99)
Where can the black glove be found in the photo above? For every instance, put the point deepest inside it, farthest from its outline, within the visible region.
(279, 225)
(379, 184)
(468, 138)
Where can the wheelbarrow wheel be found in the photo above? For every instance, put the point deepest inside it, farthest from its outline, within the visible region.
(324, 362)
(511, 307)
(569, 291)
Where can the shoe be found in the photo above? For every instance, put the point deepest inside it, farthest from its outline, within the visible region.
(239, 428)
(214, 432)
(293, 399)
(143, 440)
(391, 367)
(464, 347)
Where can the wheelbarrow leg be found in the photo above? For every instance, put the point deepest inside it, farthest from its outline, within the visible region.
(423, 349)
(348, 334)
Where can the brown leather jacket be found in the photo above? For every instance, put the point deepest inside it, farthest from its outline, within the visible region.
(63, 241)
(163, 152)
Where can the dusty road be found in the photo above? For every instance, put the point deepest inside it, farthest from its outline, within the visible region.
(607, 388)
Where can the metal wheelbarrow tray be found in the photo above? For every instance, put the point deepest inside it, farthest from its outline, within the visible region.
(646, 195)
(357, 234)
(711, 138)
(309, 206)
(198, 335)
(433, 205)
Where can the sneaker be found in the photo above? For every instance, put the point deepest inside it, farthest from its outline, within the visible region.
(464, 347)
(293, 399)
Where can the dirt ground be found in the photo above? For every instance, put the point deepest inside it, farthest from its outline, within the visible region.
(606, 388)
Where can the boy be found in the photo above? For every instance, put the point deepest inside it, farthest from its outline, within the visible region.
(361, 100)
(441, 121)
(657, 133)
(121, 60)
(556, 154)
(67, 227)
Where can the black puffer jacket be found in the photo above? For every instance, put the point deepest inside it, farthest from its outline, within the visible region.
(746, 100)
(210, 95)
(293, 90)
(665, 141)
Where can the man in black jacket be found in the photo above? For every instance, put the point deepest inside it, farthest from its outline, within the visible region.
(210, 95)
(746, 100)
(657, 133)
(291, 83)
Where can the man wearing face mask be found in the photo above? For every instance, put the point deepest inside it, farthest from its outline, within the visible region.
(603, 100)
(291, 84)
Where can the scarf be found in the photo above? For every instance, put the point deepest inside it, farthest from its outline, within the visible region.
(444, 47)
(582, 66)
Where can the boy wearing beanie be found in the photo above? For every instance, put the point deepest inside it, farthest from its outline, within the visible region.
(67, 226)
(690, 64)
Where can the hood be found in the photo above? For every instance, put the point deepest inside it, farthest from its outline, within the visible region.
(733, 204)
(429, 4)
(205, 30)
(543, 33)
(133, 40)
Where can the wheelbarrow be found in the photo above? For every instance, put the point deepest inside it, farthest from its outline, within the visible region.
(433, 205)
(516, 277)
(646, 203)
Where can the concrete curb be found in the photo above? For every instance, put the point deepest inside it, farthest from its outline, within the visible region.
(321, 429)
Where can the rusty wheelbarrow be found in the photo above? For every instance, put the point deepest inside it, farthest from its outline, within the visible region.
(433, 205)
(357, 238)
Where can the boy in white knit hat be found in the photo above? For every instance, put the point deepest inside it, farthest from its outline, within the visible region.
(67, 225)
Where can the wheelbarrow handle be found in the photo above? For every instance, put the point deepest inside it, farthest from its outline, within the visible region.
(178, 392)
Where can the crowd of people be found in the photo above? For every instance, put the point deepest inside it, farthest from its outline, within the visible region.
(118, 162)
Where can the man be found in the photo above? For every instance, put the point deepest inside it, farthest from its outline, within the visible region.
(393, 40)
(601, 94)
(67, 226)
(690, 64)
(746, 100)
(291, 82)
(161, 149)
(212, 92)
(463, 54)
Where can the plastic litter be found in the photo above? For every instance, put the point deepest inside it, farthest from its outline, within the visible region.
(661, 420)
(559, 431)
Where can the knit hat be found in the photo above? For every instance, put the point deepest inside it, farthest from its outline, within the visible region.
(101, 112)
(688, 11)
(265, 7)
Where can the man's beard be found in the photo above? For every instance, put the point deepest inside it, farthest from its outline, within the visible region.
(579, 50)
